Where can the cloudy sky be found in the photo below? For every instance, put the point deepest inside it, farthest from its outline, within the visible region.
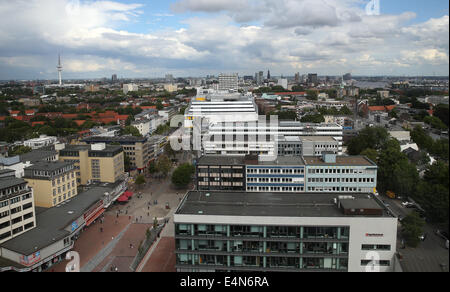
(136, 38)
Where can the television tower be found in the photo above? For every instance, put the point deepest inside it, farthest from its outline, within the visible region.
(59, 67)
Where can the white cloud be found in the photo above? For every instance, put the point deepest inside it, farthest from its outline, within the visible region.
(327, 36)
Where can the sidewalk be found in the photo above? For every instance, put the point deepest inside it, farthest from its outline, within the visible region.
(92, 241)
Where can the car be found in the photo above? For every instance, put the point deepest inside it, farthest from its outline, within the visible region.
(407, 204)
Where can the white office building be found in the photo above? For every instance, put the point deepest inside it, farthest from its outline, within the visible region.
(40, 142)
(213, 107)
(242, 138)
(229, 82)
(268, 232)
(130, 88)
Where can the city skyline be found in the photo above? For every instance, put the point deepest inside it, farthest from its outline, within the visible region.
(142, 39)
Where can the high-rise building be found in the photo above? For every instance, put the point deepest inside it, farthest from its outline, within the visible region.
(283, 82)
(114, 78)
(297, 77)
(268, 74)
(313, 79)
(229, 82)
(169, 78)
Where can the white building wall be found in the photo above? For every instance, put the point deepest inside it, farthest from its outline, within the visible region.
(359, 228)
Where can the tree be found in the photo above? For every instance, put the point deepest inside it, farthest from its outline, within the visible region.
(313, 119)
(441, 111)
(140, 180)
(168, 150)
(370, 137)
(182, 176)
(130, 130)
(127, 163)
(412, 228)
(395, 172)
(19, 150)
(164, 165)
(372, 154)
(312, 94)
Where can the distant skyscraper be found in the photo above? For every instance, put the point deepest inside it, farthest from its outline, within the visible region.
(169, 78)
(297, 77)
(114, 78)
(229, 82)
(60, 68)
(259, 77)
(268, 74)
(312, 78)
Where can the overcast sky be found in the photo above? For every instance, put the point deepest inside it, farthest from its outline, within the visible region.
(199, 37)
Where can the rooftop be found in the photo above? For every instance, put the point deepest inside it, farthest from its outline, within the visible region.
(340, 160)
(37, 155)
(272, 204)
(221, 160)
(52, 222)
(8, 182)
(49, 166)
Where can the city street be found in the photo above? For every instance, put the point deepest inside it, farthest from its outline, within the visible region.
(124, 227)
(429, 255)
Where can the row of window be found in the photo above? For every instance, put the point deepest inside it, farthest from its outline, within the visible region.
(258, 231)
(275, 189)
(275, 171)
(63, 179)
(16, 230)
(258, 262)
(12, 190)
(339, 171)
(63, 197)
(16, 220)
(269, 180)
(343, 180)
(333, 248)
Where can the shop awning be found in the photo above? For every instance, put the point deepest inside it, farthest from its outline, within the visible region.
(93, 218)
(128, 194)
(122, 198)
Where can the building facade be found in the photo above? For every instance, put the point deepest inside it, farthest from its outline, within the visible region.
(265, 232)
(17, 211)
(53, 182)
(95, 163)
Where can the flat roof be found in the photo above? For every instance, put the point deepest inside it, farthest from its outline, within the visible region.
(50, 224)
(6, 182)
(221, 160)
(284, 160)
(340, 160)
(49, 166)
(108, 148)
(273, 204)
(37, 155)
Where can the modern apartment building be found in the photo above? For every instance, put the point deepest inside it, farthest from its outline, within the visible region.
(95, 163)
(53, 182)
(17, 212)
(267, 232)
